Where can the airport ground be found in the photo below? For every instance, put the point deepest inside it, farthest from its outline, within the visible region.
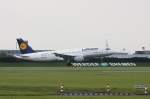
(29, 81)
(75, 97)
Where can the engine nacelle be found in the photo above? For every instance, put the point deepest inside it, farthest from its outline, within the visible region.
(79, 58)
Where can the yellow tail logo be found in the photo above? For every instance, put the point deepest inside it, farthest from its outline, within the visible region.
(23, 46)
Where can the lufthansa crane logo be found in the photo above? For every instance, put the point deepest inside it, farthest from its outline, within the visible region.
(23, 46)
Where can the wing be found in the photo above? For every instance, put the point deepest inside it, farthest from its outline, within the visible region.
(65, 57)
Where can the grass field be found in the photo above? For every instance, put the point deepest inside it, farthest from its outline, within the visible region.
(76, 97)
(26, 82)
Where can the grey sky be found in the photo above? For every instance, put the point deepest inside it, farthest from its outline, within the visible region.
(61, 24)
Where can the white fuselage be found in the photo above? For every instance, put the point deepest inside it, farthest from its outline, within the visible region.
(39, 56)
(79, 55)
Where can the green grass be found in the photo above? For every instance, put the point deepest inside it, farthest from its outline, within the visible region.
(42, 82)
(32, 64)
(77, 97)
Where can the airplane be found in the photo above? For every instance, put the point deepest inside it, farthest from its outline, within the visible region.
(79, 55)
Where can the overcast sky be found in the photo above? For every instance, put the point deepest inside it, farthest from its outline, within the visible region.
(62, 24)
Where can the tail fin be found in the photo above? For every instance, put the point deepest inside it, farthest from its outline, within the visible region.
(24, 47)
